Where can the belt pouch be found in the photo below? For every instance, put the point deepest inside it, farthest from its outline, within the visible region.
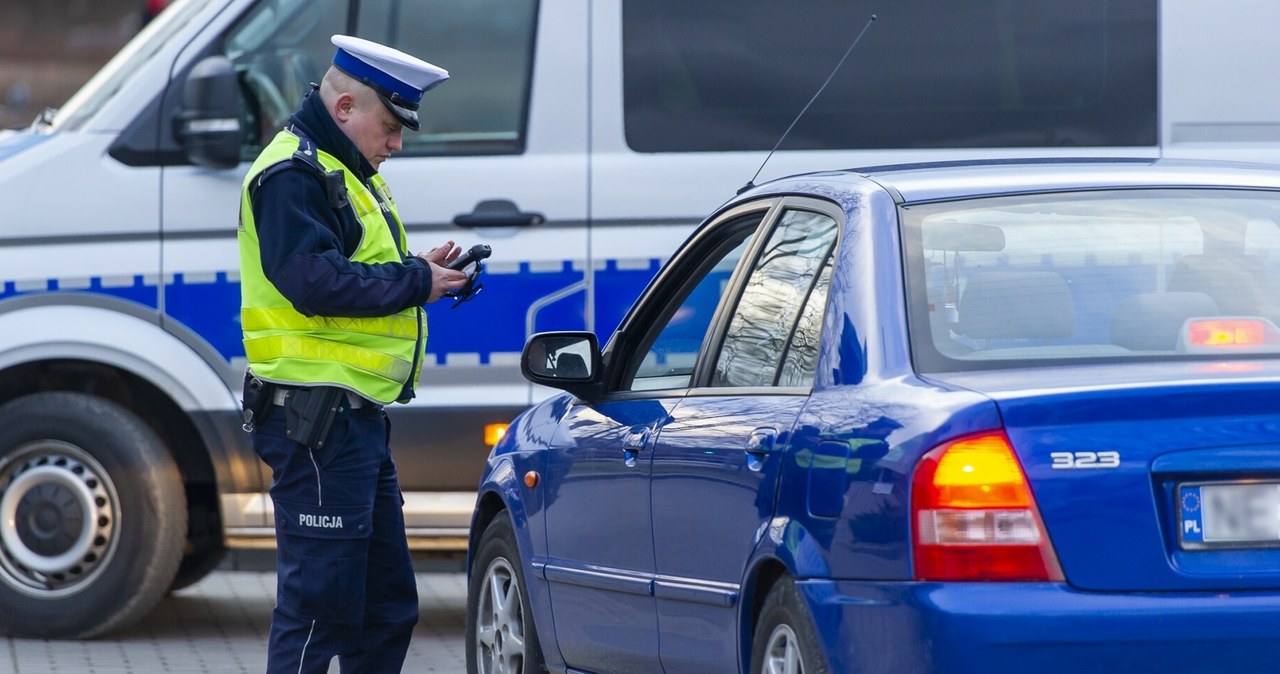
(309, 413)
(256, 401)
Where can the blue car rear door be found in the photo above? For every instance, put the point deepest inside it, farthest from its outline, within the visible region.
(716, 461)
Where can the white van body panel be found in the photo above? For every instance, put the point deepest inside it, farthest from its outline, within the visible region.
(1218, 90)
(42, 201)
(117, 339)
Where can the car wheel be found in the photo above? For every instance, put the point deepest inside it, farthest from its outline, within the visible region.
(92, 516)
(785, 642)
(501, 637)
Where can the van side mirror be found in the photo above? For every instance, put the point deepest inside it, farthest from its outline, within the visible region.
(209, 124)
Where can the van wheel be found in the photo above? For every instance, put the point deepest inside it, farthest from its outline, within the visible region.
(92, 516)
(204, 549)
(784, 641)
(501, 637)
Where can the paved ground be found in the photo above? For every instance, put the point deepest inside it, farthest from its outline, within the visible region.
(220, 625)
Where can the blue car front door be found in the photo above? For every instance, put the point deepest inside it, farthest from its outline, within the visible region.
(599, 564)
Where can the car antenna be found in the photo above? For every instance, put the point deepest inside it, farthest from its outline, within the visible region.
(752, 183)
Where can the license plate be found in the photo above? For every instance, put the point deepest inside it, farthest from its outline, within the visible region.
(1229, 514)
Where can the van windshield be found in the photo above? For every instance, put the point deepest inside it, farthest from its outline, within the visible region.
(125, 65)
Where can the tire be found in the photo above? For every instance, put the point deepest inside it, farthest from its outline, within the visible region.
(501, 637)
(203, 551)
(784, 641)
(92, 516)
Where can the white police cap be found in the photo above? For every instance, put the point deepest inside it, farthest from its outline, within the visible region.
(398, 78)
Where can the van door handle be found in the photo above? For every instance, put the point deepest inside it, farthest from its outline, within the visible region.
(498, 213)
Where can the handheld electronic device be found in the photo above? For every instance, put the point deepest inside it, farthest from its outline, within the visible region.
(473, 258)
(476, 253)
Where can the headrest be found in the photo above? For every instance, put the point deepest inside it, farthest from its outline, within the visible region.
(1152, 321)
(1016, 305)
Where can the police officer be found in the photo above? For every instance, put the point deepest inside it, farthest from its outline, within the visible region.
(331, 308)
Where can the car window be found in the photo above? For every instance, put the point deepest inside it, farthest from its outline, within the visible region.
(1094, 275)
(800, 362)
(670, 352)
(282, 46)
(767, 313)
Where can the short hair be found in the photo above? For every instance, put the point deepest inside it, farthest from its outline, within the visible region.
(336, 83)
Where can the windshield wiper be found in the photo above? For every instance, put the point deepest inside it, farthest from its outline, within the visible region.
(45, 118)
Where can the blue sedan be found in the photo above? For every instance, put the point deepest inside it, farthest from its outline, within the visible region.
(1012, 416)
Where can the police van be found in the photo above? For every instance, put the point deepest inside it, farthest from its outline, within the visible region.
(580, 139)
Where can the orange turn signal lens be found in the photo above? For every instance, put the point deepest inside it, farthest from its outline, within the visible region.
(979, 472)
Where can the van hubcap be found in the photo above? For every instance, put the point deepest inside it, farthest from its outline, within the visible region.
(58, 511)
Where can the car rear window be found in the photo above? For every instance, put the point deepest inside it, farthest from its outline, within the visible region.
(1054, 278)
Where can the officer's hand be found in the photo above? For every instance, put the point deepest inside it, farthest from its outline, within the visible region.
(442, 255)
(444, 280)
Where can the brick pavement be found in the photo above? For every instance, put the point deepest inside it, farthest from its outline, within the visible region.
(220, 624)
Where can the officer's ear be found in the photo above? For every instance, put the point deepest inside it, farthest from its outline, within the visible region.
(344, 106)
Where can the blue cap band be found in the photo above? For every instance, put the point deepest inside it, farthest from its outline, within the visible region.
(401, 93)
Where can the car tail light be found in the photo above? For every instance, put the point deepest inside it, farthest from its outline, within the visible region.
(974, 517)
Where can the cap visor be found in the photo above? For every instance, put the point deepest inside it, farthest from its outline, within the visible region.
(407, 117)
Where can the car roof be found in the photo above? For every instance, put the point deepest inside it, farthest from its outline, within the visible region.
(923, 182)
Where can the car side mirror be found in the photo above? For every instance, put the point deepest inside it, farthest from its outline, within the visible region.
(209, 124)
(569, 361)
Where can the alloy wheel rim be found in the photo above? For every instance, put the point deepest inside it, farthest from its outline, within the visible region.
(500, 643)
(782, 653)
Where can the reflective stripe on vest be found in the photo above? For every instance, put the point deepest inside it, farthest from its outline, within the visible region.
(376, 357)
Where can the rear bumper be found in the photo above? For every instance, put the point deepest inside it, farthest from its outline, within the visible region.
(1040, 627)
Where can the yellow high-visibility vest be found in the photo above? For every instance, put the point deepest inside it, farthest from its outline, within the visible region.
(374, 357)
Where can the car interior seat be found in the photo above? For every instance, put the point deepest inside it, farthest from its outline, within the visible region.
(1236, 283)
(1152, 321)
(571, 365)
(1016, 305)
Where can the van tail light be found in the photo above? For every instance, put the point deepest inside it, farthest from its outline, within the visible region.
(974, 518)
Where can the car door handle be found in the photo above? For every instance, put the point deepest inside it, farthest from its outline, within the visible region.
(498, 213)
(634, 443)
(761, 441)
(760, 444)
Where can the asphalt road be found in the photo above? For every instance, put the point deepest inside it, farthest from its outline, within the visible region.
(220, 624)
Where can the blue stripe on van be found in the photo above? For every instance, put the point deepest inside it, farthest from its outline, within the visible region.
(139, 291)
(493, 322)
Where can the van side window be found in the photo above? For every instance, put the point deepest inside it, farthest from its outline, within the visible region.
(728, 75)
(487, 47)
(282, 46)
(279, 48)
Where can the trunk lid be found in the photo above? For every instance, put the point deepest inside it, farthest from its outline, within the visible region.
(1149, 475)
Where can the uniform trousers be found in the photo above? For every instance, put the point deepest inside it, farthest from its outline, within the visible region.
(345, 585)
